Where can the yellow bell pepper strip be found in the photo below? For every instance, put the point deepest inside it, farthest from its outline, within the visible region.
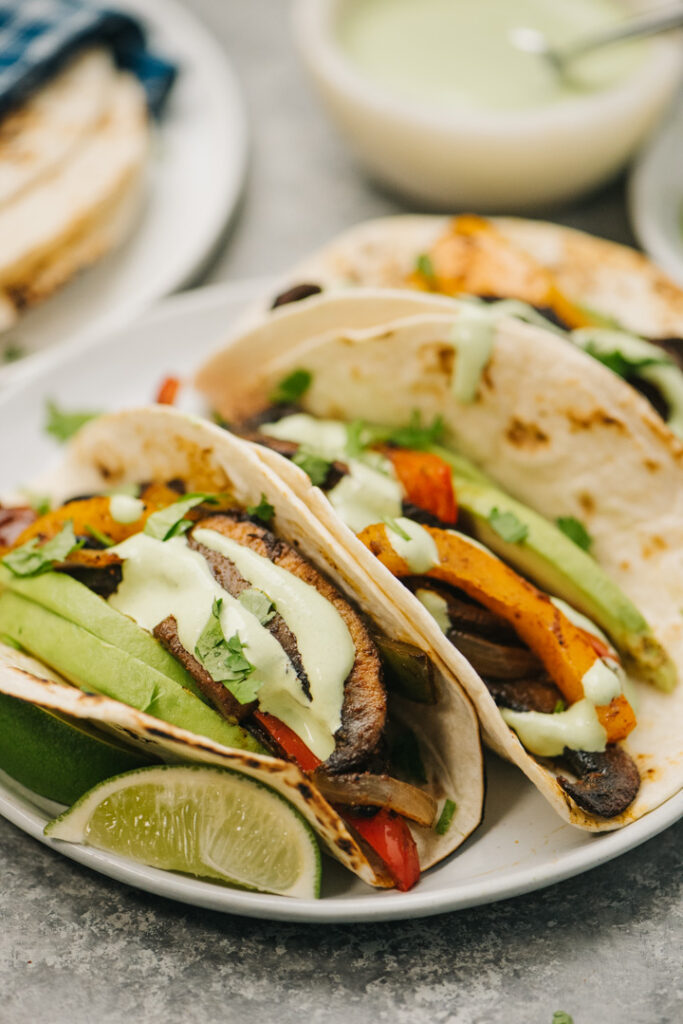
(564, 649)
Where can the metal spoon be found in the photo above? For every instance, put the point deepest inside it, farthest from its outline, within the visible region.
(533, 41)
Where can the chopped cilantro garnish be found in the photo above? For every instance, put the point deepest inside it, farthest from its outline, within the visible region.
(424, 266)
(224, 660)
(576, 531)
(61, 424)
(508, 526)
(356, 442)
(12, 352)
(170, 521)
(621, 364)
(395, 528)
(31, 559)
(263, 511)
(40, 503)
(559, 706)
(259, 604)
(103, 538)
(417, 436)
(560, 1017)
(405, 756)
(291, 388)
(316, 467)
(445, 818)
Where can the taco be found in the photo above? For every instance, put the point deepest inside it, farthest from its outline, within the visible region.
(478, 460)
(206, 613)
(606, 299)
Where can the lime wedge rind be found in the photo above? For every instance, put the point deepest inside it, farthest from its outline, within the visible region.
(204, 821)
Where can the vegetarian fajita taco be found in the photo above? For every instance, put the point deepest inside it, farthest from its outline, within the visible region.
(179, 592)
(527, 499)
(606, 299)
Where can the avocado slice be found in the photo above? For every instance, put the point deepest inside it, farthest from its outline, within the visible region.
(72, 600)
(557, 565)
(56, 756)
(94, 665)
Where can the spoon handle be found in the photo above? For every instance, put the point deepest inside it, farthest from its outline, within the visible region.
(661, 19)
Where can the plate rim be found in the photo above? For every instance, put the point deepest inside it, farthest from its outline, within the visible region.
(373, 906)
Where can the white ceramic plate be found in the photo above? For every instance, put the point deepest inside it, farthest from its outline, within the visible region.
(520, 846)
(656, 196)
(195, 178)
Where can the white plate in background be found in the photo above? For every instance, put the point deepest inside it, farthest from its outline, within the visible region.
(195, 178)
(656, 196)
(521, 844)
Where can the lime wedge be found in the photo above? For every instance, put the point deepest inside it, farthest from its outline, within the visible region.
(203, 821)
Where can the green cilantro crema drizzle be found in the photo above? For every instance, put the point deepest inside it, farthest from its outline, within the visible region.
(167, 578)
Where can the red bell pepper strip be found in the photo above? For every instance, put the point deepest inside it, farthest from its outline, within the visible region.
(427, 482)
(168, 391)
(391, 839)
(288, 741)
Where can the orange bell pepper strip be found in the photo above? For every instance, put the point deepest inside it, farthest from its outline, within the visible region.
(427, 482)
(96, 512)
(474, 257)
(565, 650)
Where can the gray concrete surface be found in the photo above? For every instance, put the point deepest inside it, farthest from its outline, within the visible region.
(76, 948)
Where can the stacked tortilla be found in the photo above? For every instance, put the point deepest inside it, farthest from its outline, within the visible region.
(72, 161)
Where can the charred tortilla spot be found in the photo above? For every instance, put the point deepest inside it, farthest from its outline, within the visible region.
(305, 790)
(593, 420)
(525, 435)
(587, 502)
(296, 294)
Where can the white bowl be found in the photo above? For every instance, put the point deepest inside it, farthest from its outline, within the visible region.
(485, 160)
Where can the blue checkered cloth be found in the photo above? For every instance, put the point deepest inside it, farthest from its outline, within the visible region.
(38, 36)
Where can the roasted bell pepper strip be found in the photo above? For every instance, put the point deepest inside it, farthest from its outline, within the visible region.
(391, 839)
(564, 649)
(427, 482)
(288, 741)
(473, 257)
(168, 391)
(96, 512)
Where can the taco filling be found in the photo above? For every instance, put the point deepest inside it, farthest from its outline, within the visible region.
(192, 609)
(554, 667)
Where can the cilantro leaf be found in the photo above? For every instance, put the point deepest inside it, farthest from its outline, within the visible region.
(620, 363)
(560, 1017)
(315, 466)
(445, 818)
(259, 604)
(170, 521)
(61, 424)
(103, 538)
(225, 660)
(424, 266)
(415, 435)
(263, 511)
(291, 388)
(355, 438)
(40, 503)
(31, 559)
(508, 526)
(559, 706)
(576, 531)
(395, 528)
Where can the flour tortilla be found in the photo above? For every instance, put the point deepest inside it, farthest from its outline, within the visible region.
(556, 430)
(162, 444)
(72, 163)
(603, 276)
